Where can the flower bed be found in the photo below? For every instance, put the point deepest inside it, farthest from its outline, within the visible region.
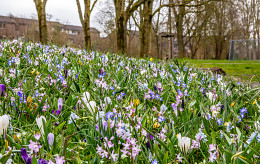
(66, 105)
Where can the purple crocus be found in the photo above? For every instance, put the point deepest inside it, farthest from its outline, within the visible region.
(50, 139)
(65, 73)
(25, 157)
(2, 89)
(182, 103)
(151, 136)
(175, 108)
(42, 161)
(60, 104)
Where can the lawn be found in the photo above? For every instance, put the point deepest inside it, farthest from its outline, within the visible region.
(240, 69)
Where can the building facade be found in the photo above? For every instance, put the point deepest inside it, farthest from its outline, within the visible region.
(60, 34)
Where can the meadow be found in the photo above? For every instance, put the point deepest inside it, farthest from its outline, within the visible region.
(241, 70)
(64, 105)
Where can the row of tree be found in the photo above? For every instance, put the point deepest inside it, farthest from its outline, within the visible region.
(197, 23)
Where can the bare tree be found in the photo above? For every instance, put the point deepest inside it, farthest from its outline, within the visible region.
(85, 21)
(40, 7)
(105, 18)
(145, 28)
(123, 14)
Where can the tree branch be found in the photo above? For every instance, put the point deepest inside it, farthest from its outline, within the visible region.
(136, 22)
(159, 8)
(93, 5)
(44, 3)
(80, 13)
(130, 11)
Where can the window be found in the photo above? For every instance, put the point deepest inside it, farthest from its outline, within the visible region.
(2, 25)
(75, 32)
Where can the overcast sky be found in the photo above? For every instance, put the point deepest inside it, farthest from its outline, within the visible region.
(62, 10)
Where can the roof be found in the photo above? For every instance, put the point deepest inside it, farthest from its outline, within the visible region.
(26, 21)
(77, 28)
(6, 19)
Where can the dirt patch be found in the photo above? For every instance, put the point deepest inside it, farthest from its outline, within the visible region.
(215, 70)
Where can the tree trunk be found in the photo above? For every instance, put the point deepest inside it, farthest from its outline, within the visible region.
(40, 24)
(170, 32)
(180, 41)
(121, 34)
(179, 17)
(87, 37)
(44, 27)
(86, 29)
(85, 22)
(145, 28)
(43, 33)
(123, 14)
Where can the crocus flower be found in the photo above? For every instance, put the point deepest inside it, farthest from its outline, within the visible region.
(86, 97)
(42, 161)
(163, 108)
(2, 89)
(4, 122)
(28, 160)
(184, 143)
(50, 138)
(91, 106)
(60, 104)
(65, 73)
(107, 100)
(39, 122)
(24, 154)
(174, 107)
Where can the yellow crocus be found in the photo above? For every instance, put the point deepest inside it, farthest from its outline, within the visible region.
(156, 125)
(136, 102)
(6, 144)
(33, 71)
(80, 62)
(15, 137)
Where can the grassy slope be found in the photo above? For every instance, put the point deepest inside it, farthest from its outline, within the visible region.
(240, 69)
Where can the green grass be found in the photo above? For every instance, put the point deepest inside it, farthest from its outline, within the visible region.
(242, 70)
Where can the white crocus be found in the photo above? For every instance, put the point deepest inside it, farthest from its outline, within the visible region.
(39, 122)
(184, 143)
(107, 100)
(91, 106)
(210, 96)
(163, 108)
(4, 122)
(86, 96)
(143, 71)
(257, 125)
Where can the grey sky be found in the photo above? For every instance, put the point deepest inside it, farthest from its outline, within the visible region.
(63, 10)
